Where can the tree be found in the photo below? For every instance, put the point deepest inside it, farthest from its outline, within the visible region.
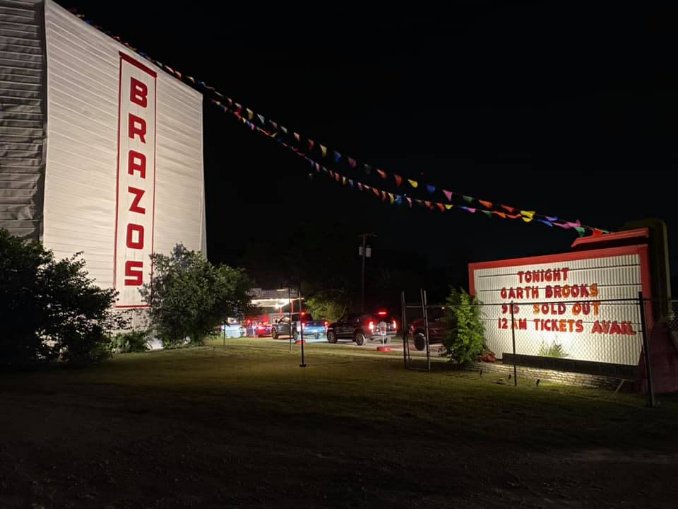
(329, 305)
(189, 296)
(50, 310)
(466, 336)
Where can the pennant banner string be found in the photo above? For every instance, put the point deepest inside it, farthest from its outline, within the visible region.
(261, 123)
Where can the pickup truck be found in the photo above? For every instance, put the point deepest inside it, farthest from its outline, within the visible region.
(291, 326)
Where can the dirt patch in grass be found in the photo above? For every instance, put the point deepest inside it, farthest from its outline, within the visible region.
(244, 426)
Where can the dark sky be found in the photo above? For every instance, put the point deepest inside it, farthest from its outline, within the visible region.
(568, 110)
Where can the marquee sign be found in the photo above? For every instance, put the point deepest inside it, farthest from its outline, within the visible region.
(582, 305)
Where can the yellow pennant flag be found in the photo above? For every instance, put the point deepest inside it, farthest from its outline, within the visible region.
(413, 183)
(528, 215)
(250, 113)
(448, 206)
(323, 150)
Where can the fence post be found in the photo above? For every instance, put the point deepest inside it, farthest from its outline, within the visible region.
(403, 308)
(646, 347)
(424, 308)
(513, 338)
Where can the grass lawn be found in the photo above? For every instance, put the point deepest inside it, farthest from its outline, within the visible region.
(243, 425)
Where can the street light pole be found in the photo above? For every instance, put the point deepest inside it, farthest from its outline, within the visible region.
(364, 253)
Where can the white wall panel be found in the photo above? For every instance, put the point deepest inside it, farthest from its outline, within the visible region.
(84, 102)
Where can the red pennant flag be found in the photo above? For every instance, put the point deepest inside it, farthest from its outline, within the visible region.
(382, 174)
(376, 192)
(428, 204)
(351, 162)
(486, 204)
(500, 214)
(398, 180)
(508, 209)
(441, 207)
(310, 144)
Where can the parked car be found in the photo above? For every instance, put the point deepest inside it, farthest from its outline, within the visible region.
(439, 325)
(232, 330)
(261, 330)
(299, 322)
(362, 327)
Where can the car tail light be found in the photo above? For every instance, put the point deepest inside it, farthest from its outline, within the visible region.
(395, 325)
(382, 313)
(327, 324)
(371, 325)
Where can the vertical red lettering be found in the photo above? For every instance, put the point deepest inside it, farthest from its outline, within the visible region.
(136, 161)
(134, 273)
(136, 125)
(138, 92)
(138, 193)
(133, 243)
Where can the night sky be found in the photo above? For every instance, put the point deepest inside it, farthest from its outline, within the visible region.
(569, 111)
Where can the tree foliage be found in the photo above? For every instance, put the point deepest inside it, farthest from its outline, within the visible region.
(329, 305)
(189, 296)
(50, 310)
(466, 336)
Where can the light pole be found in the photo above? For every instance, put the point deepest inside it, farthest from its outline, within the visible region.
(301, 330)
(289, 305)
(365, 252)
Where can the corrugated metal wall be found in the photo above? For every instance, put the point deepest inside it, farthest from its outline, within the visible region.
(22, 117)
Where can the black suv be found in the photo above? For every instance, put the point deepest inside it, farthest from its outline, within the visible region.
(361, 327)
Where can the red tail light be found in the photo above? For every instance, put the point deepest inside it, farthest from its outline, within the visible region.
(395, 325)
(382, 313)
(371, 325)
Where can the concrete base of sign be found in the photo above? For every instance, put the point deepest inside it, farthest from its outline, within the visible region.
(383, 349)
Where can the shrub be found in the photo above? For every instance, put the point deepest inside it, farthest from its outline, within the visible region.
(552, 350)
(133, 341)
(466, 337)
(189, 296)
(50, 310)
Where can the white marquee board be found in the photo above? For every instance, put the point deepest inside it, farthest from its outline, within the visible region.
(582, 304)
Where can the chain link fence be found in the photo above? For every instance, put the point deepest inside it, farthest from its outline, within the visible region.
(604, 338)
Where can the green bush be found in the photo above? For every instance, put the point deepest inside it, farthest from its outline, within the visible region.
(133, 341)
(552, 350)
(466, 336)
(189, 296)
(50, 310)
